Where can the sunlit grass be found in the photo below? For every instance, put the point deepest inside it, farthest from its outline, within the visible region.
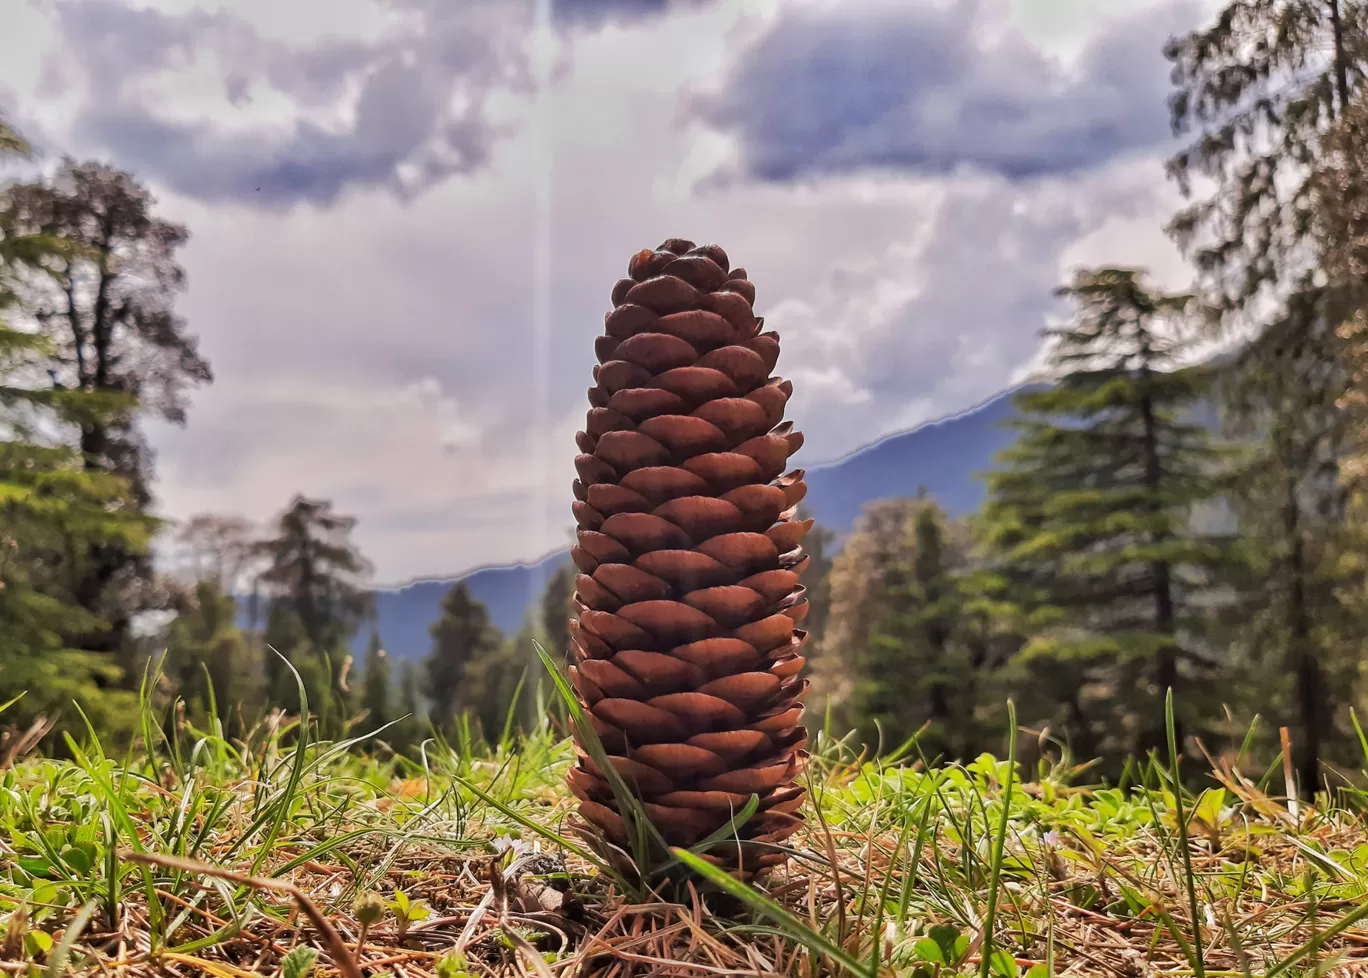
(281, 854)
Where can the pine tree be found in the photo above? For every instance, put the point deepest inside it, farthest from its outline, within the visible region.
(314, 576)
(105, 302)
(51, 510)
(1259, 89)
(1341, 184)
(210, 660)
(377, 697)
(495, 687)
(315, 571)
(557, 608)
(914, 669)
(1090, 515)
(860, 603)
(216, 548)
(461, 638)
(409, 731)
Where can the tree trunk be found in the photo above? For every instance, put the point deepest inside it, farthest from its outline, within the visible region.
(94, 369)
(938, 699)
(308, 609)
(1166, 663)
(1080, 739)
(1341, 58)
(1312, 708)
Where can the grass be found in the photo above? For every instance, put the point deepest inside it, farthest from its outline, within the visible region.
(278, 854)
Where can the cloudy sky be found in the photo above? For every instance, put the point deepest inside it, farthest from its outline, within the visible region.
(407, 215)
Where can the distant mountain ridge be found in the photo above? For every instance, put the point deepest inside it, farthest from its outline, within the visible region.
(945, 456)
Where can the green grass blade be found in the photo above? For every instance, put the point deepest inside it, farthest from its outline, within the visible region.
(1198, 960)
(641, 830)
(282, 810)
(999, 846)
(531, 824)
(791, 925)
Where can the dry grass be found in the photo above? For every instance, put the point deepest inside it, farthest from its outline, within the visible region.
(210, 857)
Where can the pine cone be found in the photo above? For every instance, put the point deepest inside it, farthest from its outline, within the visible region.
(685, 647)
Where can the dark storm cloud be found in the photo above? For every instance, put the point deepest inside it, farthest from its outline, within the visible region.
(844, 87)
(597, 13)
(419, 115)
(399, 121)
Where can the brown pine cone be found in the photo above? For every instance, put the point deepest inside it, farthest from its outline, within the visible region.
(686, 645)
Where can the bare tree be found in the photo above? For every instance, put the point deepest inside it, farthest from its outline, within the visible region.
(217, 549)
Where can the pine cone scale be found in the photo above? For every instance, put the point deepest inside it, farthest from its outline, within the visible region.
(686, 643)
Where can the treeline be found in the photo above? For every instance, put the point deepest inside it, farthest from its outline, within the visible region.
(259, 615)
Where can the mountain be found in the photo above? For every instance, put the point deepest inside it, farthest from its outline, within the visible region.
(945, 456)
(405, 614)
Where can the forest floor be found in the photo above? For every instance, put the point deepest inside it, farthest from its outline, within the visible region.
(278, 855)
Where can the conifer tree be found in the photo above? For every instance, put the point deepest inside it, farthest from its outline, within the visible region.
(314, 576)
(377, 697)
(316, 572)
(1258, 89)
(1090, 515)
(210, 660)
(105, 304)
(462, 637)
(557, 608)
(859, 603)
(1341, 183)
(914, 669)
(496, 686)
(409, 731)
(216, 548)
(51, 508)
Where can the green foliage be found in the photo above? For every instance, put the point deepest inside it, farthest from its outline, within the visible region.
(313, 577)
(298, 962)
(55, 513)
(102, 301)
(411, 728)
(557, 607)
(407, 912)
(1265, 89)
(377, 694)
(1089, 521)
(1256, 88)
(468, 665)
(953, 870)
(314, 572)
(914, 667)
(495, 687)
(216, 669)
(1107, 568)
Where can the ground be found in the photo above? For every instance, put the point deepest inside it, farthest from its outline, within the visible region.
(276, 855)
